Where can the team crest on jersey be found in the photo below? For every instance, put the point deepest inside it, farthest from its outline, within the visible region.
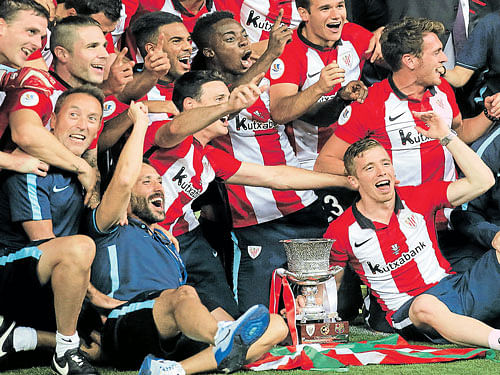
(29, 99)
(410, 221)
(345, 115)
(395, 249)
(254, 251)
(347, 59)
(277, 69)
(108, 108)
(440, 103)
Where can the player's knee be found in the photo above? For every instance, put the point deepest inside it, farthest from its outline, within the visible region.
(423, 310)
(276, 331)
(279, 328)
(186, 292)
(80, 253)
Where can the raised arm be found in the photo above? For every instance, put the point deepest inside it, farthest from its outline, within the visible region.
(279, 36)
(472, 128)
(458, 76)
(195, 119)
(115, 200)
(287, 103)
(331, 156)
(283, 177)
(156, 65)
(478, 177)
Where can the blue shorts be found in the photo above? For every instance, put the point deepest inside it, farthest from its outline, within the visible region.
(474, 293)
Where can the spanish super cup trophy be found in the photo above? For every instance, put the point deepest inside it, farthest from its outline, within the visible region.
(308, 266)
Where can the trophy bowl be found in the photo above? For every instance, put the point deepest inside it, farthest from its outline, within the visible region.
(308, 256)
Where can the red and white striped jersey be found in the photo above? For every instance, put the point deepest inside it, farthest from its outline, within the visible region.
(254, 137)
(161, 92)
(301, 64)
(258, 16)
(399, 260)
(386, 116)
(186, 171)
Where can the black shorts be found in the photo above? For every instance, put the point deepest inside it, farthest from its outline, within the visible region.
(22, 297)
(205, 272)
(131, 334)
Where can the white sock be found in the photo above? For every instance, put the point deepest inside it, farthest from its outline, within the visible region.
(65, 343)
(24, 339)
(494, 339)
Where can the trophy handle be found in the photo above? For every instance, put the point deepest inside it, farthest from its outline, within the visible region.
(284, 272)
(335, 270)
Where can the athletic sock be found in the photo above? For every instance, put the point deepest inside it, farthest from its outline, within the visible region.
(65, 343)
(24, 339)
(494, 339)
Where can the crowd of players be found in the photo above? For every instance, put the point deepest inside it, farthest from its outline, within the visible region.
(121, 119)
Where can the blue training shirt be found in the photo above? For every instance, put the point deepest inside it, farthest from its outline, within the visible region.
(132, 259)
(28, 197)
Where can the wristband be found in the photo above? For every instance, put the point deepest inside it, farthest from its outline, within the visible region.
(447, 139)
(490, 117)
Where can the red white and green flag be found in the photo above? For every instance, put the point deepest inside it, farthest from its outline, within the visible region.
(389, 350)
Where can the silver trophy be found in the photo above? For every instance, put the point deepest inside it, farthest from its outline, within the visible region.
(308, 266)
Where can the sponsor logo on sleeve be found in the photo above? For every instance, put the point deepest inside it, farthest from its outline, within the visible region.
(277, 69)
(345, 115)
(29, 99)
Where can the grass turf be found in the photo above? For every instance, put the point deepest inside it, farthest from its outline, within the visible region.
(468, 367)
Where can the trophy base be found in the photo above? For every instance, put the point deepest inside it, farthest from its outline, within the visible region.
(323, 333)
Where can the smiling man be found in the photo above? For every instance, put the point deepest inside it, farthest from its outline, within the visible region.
(317, 75)
(389, 238)
(22, 26)
(413, 50)
(44, 264)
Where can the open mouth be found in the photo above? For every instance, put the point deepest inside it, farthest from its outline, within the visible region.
(157, 200)
(245, 59)
(186, 61)
(334, 25)
(225, 120)
(27, 51)
(98, 67)
(77, 137)
(383, 185)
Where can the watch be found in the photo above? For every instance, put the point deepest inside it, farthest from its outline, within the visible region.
(447, 139)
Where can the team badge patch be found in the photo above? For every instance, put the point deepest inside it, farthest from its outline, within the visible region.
(254, 251)
(347, 59)
(108, 108)
(29, 99)
(410, 221)
(277, 69)
(310, 328)
(345, 115)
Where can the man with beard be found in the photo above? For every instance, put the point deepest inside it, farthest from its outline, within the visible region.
(45, 265)
(139, 263)
(188, 164)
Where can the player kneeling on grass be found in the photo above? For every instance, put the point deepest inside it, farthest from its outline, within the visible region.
(139, 263)
(388, 237)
